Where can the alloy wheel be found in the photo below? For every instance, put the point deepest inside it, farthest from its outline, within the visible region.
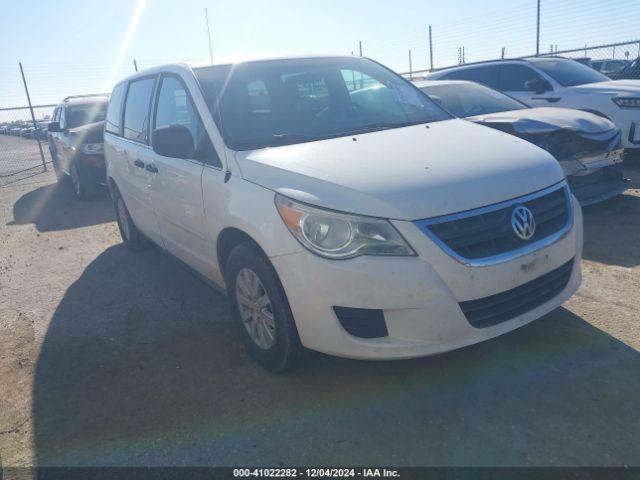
(255, 308)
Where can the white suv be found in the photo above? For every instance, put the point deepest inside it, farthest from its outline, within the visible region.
(560, 82)
(343, 210)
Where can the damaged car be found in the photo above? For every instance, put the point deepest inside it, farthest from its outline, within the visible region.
(587, 146)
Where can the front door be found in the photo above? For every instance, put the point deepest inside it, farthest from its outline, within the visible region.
(176, 191)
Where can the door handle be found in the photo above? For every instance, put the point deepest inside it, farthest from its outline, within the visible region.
(548, 99)
(139, 163)
(151, 168)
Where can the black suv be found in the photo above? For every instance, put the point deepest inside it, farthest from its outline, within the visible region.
(76, 136)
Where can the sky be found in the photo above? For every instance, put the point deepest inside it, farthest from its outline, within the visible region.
(71, 46)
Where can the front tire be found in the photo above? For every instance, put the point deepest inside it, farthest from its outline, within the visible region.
(261, 311)
(133, 238)
(83, 187)
(60, 176)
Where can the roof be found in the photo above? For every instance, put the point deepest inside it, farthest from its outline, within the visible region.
(86, 99)
(196, 65)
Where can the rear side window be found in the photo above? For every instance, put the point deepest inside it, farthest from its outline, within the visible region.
(136, 110)
(114, 113)
(486, 75)
(517, 78)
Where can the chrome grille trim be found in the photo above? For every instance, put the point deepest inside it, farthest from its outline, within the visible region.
(424, 225)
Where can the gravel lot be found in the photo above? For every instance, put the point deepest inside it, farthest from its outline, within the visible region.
(114, 358)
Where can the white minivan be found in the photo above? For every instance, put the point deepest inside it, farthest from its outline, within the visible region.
(341, 209)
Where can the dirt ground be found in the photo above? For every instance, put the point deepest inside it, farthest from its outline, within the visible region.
(113, 358)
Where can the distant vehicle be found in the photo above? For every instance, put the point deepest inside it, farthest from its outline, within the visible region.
(15, 131)
(586, 145)
(609, 66)
(630, 72)
(559, 82)
(42, 130)
(27, 132)
(76, 135)
(583, 60)
(4, 129)
(368, 224)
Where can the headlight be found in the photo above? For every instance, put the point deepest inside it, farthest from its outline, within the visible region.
(92, 148)
(340, 235)
(627, 102)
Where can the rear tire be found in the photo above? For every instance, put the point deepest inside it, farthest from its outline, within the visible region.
(261, 311)
(133, 238)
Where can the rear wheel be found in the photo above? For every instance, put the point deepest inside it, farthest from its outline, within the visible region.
(133, 238)
(261, 311)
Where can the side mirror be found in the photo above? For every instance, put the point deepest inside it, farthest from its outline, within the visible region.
(54, 127)
(537, 85)
(173, 141)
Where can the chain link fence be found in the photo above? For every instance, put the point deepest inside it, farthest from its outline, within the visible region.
(24, 150)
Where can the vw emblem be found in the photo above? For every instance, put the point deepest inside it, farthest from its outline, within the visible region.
(523, 223)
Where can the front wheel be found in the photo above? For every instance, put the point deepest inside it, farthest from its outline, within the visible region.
(261, 311)
(83, 187)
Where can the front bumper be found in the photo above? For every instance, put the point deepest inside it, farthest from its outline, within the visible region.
(601, 185)
(93, 167)
(419, 296)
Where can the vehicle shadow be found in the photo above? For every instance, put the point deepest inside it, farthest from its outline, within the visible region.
(54, 207)
(141, 366)
(612, 228)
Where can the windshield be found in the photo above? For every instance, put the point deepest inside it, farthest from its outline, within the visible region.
(567, 72)
(281, 102)
(468, 99)
(85, 113)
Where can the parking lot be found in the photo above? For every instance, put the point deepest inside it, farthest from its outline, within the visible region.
(115, 358)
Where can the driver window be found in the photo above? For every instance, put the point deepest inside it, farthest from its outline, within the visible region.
(174, 107)
(518, 78)
(63, 118)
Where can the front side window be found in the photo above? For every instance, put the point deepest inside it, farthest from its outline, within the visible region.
(83, 114)
(63, 118)
(280, 102)
(114, 113)
(567, 72)
(174, 107)
(136, 109)
(469, 99)
(518, 78)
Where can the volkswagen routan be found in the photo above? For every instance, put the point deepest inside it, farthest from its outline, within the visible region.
(340, 208)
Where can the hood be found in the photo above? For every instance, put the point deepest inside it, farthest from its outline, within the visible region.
(613, 87)
(406, 173)
(547, 119)
(89, 133)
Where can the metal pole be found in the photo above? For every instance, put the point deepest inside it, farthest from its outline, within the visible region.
(33, 118)
(135, 64)
(502, 53)
(410, 67)
(360, 46)
(430, 50)
(206, 16)
(538, 31)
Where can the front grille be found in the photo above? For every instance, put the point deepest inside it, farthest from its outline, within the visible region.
(504, 306)
(488, 232)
